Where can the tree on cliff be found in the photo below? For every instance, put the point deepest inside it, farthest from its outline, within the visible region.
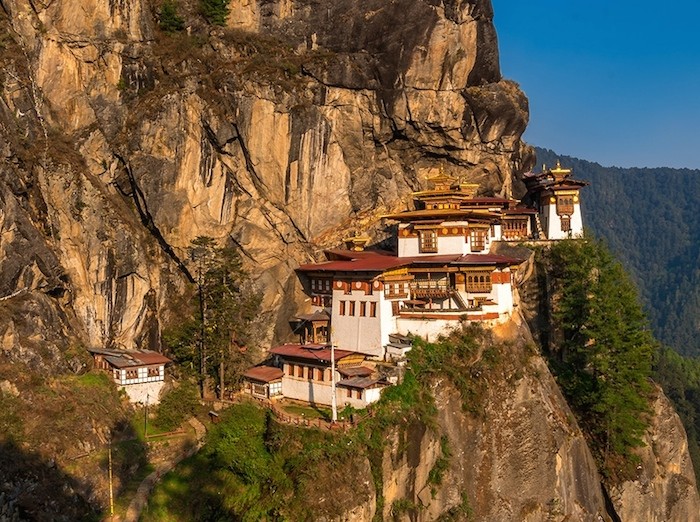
(169, 20)
(216, 339)
(605, 348)
(215, 11)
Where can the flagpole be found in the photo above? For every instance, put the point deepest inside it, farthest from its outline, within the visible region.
(334, 400)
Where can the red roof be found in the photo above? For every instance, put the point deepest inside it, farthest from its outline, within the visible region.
(520, 210)
(355, 371)
(263, 373)
(371, 262)
(467, 259)
(310, 352)
(365, 262)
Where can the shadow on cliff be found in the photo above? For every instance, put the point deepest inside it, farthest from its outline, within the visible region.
(35, 489)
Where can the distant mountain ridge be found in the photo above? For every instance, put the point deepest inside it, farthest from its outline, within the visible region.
(651, 221)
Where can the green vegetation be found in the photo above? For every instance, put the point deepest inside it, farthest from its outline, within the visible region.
(215, 11)
(254, 468)
(602, 350)
(170, 21)
(11, 427)
(176, 406)
(680, 379)
(649, 219)
(215, 340)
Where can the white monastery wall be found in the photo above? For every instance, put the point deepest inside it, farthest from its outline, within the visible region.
(551, 222)
(429, 329)
(355, 332)
(503, 295)
(144, 392)
(317, 392)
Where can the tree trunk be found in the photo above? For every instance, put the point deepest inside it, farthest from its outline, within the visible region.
(221, 377)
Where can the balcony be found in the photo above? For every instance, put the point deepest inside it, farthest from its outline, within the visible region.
(430, 289)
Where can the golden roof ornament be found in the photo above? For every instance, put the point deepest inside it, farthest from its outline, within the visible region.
(559, 172)
(357, 242)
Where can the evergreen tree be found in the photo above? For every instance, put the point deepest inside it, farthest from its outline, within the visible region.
(218, 338)
(606, 349)
(215, 11)
(170, 21)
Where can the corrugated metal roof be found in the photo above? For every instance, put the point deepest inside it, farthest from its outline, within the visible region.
(310, 352)
(368, 262)
(131, 358)
(263, 373)
(355, 371)
(360, 382)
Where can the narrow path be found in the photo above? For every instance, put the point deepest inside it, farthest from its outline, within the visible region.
(137, 504)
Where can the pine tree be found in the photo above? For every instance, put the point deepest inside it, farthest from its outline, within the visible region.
(170, 21)
(606, 351)
(215, 11)
(218, 339)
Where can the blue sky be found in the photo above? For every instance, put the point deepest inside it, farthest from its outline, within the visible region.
(616, 81)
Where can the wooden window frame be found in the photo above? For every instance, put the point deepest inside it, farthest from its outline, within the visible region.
(341, 308)
(363, 309)
(427, 241)
(477, 239)
(351, 308)
(478, 282)
(372, 309)
(565, 205)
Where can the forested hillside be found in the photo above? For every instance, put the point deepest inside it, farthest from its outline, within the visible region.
(650, 219)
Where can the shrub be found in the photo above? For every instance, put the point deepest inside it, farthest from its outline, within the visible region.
(176, 406)
(215, 11)
(170, 20)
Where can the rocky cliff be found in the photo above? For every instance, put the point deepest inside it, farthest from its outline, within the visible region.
(508, 448)
(298, 123)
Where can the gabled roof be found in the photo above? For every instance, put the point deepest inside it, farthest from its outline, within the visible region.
(318, 315)
(355, 371)
(361, 383)
(130, 358)
(443, 213)
(263, 373)
(311, 352)
(367, 261)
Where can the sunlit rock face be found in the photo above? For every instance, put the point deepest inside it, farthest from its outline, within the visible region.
(137, 142)
(297, 123)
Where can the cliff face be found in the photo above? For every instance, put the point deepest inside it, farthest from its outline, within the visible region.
(123, 143)
(300, 122)
(516, 453)
(665, 488)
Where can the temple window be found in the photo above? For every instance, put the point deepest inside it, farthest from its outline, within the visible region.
(373, 309)
(341, 308)
(427, 241)
(478, 282)
(300, 371)
(363, 309)
(565, 223)
(478, 239)
(565, 205)
(513, 228)
(351, 308)
(290, 370)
